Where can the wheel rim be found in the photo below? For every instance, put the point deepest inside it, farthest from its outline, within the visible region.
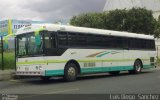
(138, 67)
(71, 72)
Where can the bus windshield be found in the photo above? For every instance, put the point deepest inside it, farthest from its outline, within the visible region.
(26, 45)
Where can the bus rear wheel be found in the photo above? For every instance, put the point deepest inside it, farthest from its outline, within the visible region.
(137, 67)
(70, 72)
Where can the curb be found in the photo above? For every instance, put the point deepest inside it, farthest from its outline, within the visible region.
(10, 74)
(6, 74)
(157, 68)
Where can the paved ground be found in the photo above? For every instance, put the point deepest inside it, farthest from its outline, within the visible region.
(6, 74)
(145, 83)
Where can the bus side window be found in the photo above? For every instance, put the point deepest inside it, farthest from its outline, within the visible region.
(47, 39)
(50, 41)
(126, 43)
(53, 40)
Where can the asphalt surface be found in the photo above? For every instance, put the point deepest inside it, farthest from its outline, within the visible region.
(147, 82)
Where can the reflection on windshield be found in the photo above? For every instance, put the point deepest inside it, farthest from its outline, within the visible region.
(27, 45)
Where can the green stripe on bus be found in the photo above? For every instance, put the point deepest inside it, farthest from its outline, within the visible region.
(95, 70)
(54, 72)
(107, 60)
(110, 60)
(105, 53)
(56, 61)
(105, 69)
(113, 68)
(32, 62)
(148, 66)
(64, 61)
(42, 62)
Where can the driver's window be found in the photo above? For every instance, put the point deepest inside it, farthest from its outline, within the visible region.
(49, 39)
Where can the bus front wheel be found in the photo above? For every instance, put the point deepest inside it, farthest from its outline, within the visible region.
(137, 67)
(70, 72)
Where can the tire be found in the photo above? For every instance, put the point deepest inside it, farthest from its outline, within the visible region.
(70, 72)
(114, 73)
(45, 78)
(137, 67)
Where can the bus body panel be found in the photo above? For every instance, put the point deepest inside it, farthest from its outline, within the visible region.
(94, 61)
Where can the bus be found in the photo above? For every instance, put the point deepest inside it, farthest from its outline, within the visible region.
(48, 50)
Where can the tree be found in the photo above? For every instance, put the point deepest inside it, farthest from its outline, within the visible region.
(138, 20)
(115, 20)
(92, 20)
(157, 28)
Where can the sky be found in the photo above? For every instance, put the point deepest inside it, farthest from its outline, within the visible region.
(47, 10)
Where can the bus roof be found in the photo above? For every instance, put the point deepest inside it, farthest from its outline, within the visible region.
(55, 27)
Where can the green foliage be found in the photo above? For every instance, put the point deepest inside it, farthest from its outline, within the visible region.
(138, 20)
(93, 20)
(157, 29)
(115, 20)
(9, 60)
(158, 62)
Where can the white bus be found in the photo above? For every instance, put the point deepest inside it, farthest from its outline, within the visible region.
(57, 50)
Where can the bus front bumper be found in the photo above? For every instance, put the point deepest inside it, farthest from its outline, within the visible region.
(30, 73)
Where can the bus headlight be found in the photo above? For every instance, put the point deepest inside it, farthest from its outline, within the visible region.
(38, 67)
